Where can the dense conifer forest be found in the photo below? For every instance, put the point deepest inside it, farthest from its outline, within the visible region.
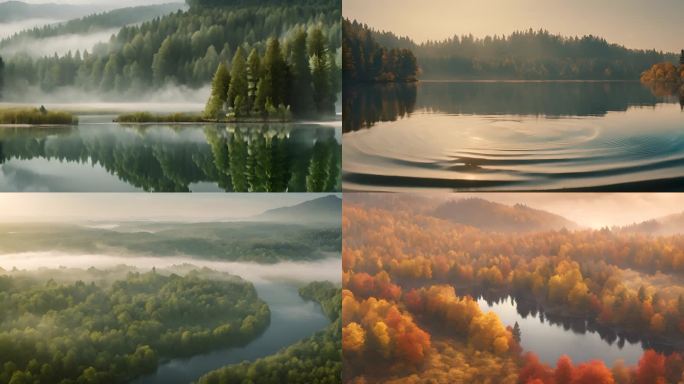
(527, 54)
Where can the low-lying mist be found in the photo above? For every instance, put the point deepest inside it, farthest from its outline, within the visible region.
(10, 28)
(61, 45)
(170, 98)
(325, 269)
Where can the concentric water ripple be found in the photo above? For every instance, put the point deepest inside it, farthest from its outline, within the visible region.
(641, 148)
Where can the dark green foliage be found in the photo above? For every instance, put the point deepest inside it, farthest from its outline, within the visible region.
(366, 61)
(282, 82)
(275, 72)
(35, 116)
(317, 359)
(240, 241)
(219, 93)
(146, 159)
(2, 76)
(526, 54)
(323, 167)
(112, 332)
(181, 48)
(301, 94)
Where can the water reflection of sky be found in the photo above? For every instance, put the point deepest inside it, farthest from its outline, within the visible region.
(550, 341)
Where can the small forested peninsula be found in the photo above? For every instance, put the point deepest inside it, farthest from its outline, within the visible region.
(111, 329)
(665, 79)
(316, 359)
(297, 77)
(366, 61)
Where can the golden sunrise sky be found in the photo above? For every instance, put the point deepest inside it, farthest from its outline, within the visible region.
(642, 24)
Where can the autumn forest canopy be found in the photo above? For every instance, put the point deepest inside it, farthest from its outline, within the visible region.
(413, 268)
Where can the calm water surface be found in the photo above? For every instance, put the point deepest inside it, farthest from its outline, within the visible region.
(513, 136)
(99, 155)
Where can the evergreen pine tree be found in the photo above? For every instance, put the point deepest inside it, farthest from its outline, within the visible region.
(238, 80)
(219, 93)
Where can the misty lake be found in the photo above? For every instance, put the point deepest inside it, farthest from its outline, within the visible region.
(513, 136)
(549, 339)
(101, 156)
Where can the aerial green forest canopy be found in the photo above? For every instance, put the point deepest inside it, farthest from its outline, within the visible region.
(235, 241)
(104, 331)
(264, 158)
(316, 359)
(183, 48)
(366, 61)
(528, 54)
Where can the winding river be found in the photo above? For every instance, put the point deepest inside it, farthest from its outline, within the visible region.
(292, 319)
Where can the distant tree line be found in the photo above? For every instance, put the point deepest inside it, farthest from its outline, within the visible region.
(366, 61)
(183, 48)
(529, 54)
(300, 77)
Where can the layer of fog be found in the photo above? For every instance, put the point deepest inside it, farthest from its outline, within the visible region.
(170, 98)
(61, 45)
(324, 269)
(9, 29)
(594, 210)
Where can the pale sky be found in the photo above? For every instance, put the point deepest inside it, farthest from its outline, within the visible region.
(634, 23)
(117, 3)
(594, 210)
(65, 207)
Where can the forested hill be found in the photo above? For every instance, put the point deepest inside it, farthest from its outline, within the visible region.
(95, 22)
(491, 216)
(19, 10)
(530, 54)
(183, 48)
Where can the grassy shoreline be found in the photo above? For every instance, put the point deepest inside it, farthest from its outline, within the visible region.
(146, 117)
(36, 116)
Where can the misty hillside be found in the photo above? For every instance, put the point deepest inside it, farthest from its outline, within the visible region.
(405, 202)
(227, 241)
(17, 10)
(668, 225)
(492, 216)
(181, 48)
(324, 210)
(116, 18)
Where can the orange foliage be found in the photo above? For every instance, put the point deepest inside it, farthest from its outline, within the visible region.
(382, 330)
(651, 368)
